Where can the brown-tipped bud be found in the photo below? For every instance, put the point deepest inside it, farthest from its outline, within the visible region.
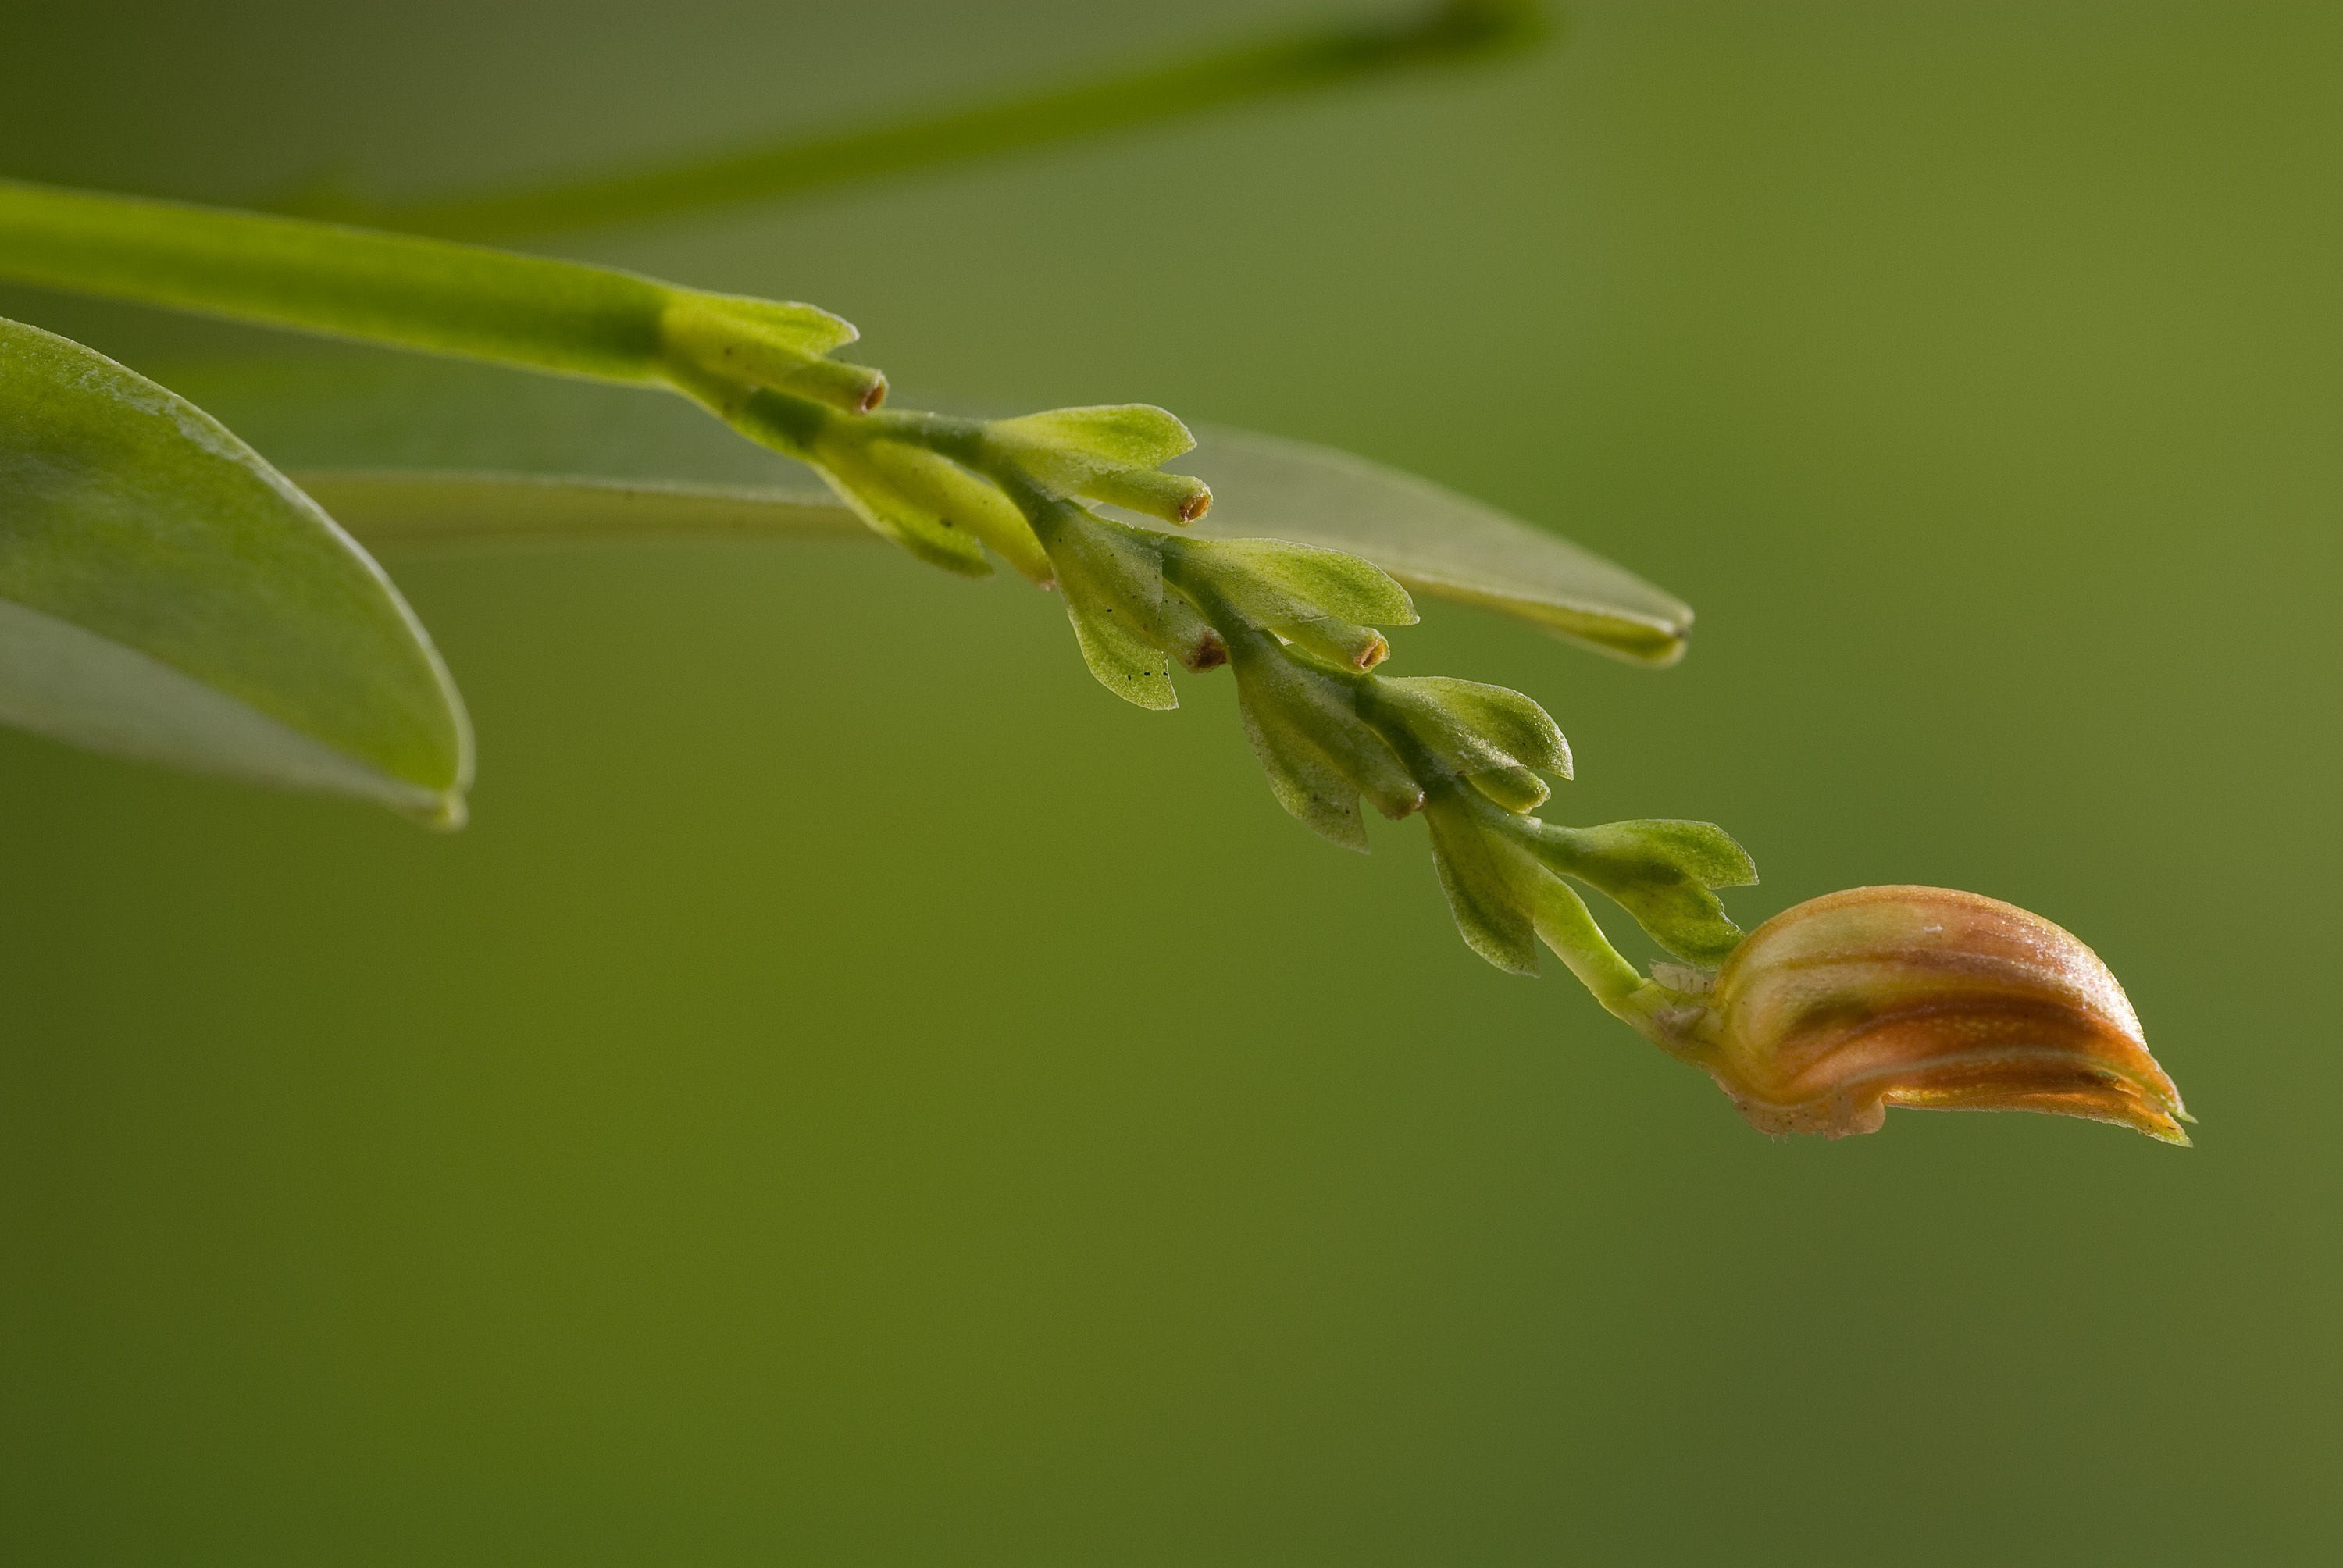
(856, 388)
(727, 338)
(1173, 497)
(1833, 1010)
(1339, 642)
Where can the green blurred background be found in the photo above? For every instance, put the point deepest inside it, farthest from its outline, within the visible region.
(859, 1094)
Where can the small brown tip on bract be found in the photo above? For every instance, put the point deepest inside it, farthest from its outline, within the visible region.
(1210, 653)
(1373, 653)
(1196, 507)
(873, 397)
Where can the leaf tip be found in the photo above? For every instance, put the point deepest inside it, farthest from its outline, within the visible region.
(446, 812)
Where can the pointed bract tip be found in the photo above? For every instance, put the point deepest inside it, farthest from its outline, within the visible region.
(443, 813)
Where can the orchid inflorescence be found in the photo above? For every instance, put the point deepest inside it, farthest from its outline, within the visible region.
(1301, 629)
(1828, 1014)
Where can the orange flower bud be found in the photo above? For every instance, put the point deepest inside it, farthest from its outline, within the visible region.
(1833, 1010)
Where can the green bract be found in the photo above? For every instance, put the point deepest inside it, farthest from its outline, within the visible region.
(166, 595)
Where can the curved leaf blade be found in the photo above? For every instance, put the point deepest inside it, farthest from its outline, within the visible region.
(1434, 540)
(167, 596)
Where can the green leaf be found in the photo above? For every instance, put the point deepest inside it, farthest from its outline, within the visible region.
(447, 429)
(1434, 540)
(165, 595)
(1339, 51)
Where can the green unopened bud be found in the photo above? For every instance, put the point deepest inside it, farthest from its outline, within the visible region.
(1496, 739)
(861, 476)
(856, 388)
(1128, 620)
(1339, 642)
(1490, 884)
(766, 343)
(1505, 901)
(1663, 873)
(1068, 450)
(924, 503)
(1320, 755)
(1173, 498)
(1271, 582)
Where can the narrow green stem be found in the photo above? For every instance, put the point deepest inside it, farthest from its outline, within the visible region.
(1448, 32)
(431, 295)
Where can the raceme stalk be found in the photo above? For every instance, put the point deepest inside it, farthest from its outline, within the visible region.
(1301, 628)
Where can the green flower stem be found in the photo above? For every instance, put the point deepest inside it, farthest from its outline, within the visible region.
(1567, 925)
(431, 295)
(1448, 32)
